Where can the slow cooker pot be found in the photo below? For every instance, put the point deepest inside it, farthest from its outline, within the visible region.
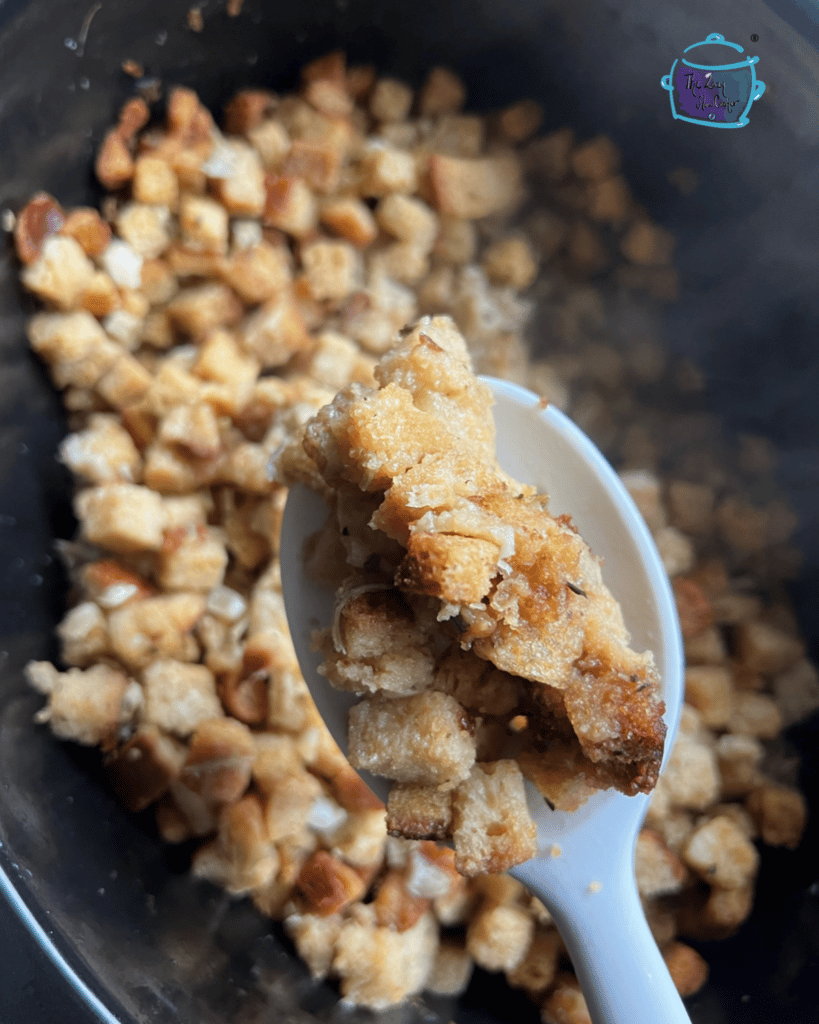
(110, 926)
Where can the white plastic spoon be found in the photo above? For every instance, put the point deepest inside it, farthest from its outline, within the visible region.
(584, 871)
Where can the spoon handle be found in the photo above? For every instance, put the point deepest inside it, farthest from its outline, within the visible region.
(623, 976)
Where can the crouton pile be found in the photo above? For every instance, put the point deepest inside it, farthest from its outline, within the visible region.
(232, 281)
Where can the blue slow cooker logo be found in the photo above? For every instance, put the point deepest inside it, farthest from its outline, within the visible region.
(711, 86)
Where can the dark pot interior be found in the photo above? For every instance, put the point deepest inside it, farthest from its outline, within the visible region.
(147, 942)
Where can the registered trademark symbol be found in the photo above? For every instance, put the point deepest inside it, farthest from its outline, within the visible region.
(754, 38)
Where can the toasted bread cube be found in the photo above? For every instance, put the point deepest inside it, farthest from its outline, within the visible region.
(658, 869)
(688, 970)
(471, 189)
(290, 206)
(83, 634)
(351, 219)
(755, 714)
(780, 813)
(316, 163)
(100, 297)
(156, 627)
(178, 696)
(409, 219)
(390, 100)
(721, 854)
(102, 453)
(142, 770)
(289, 792)
(145, 227)
(271, 141)
(155, 181)
(585, 249)
(274, 332)
(258, 272)
(193, 428)
(797, 692)
(452, 969)
(60, 274)
(242, 857)
(221, 359)
(493, 830)
(121, 517)
(538, 968)
(337, 361)
(315, 937)
(219, 761)
(243, 192)
(123, 264)
(419, 812)
(647, 244)
(203, 225)
(499, 936)
(378, 967)
(693, 607)
(459, 570)
(332, 269)
(646, 490)
(361, 838)
(385, 170)
(709, 688)
(596, 159)
(424, 738)
(91, 706)
(201, 308)
(565, 1003)
(442, 93)
(511, 261)
(328, 885)
(675, 550)
(457, 240)
(192, 559)
(765, 647)
(739, 758)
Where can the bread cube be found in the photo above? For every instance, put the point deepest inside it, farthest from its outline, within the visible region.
(709, 689)
(419, 812)
(442, 93)
(719, 852)
(102, 453)
(425, 738)
(378, 967)
(242, 192)
(258, 272)
(690, 506)
(596, 159)
(332, 269)
(328, 885)
(203, 225)
(565, 1003)
(766, 648)
(201, 308)
(493, 830)
(409, 220)
(192, 559)
(290, 206)
(511, 261)
(498, 936)
(797, 692)
(351, 219)
(142, 769)
(83, 634)
(452, 969)
(385, 170)
(315, 937)
(88, 707)
(755, 714)
(658, 870)
(121, 517)
(274, 332)
(390, 100)
(155, 181)
(688, 970)
(156, 627)
(271, 141)
(474, 188)
(780, 813)
(60, 274)
(691, 777)
(219, 761)
(537, 970)
(145, 227)
(242, 857)
(178, 696)
(647, 244)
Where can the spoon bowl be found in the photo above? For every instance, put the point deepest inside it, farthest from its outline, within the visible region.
(584, 870)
